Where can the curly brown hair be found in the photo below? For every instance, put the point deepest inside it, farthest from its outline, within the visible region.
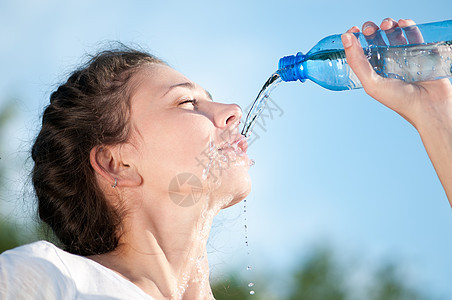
(91, 109)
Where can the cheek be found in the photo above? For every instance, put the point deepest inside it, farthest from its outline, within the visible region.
(179, 144)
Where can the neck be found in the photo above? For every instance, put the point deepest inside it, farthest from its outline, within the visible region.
(163, 250)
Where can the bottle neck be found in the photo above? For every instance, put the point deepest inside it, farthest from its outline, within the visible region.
(290, 68)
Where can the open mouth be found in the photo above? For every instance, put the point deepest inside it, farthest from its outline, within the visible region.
(239, 145)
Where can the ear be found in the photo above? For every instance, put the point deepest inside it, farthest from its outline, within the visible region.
(106, 162)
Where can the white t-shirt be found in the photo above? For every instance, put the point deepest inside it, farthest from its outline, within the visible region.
(43, 271)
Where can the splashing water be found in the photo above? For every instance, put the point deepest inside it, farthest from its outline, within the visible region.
(223, 154)
(213, 157)
(260, 103)
(248, 268)
(196, 271)
(246, 228)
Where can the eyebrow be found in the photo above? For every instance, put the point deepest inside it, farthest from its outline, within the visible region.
(188, 85)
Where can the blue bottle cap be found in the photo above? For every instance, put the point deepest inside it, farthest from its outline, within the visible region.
(290, 68)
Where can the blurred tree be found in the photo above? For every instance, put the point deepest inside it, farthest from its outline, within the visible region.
(234, 288)
(389, 285)
(319, 278)
(12, 234)
(9, 234)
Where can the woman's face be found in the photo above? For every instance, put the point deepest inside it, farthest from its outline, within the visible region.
(180, 133)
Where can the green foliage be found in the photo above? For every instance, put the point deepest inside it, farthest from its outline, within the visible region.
(233, 288)
(388, 285)
(9, 233)
(319, 278)
(9, 236)
(6, 113)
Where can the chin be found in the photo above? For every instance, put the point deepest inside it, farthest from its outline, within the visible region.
(239, 189)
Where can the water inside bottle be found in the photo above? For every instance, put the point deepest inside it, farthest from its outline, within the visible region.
(412, 63)
(260, 103)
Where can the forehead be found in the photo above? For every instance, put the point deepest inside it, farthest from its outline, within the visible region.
(150, 83)
(158, 77)
(157, 80)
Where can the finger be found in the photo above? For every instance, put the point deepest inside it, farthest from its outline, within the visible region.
(354, 29)
(357, 60)
(379, 88)
(393, 32)
(413, 34)
(372, 35)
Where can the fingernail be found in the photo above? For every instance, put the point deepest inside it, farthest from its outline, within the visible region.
(367, 26)
(346, 40)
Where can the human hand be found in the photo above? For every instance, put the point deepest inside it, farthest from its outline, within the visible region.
(427, 105)
(420, 102)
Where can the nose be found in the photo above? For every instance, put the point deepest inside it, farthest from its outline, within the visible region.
(226, 114)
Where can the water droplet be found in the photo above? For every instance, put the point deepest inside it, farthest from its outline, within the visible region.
(248, 268)
(250, 284)
(252, 162)
(433, 68)
(204, 174)
(251, 292)
(332, 42)
(419, 73)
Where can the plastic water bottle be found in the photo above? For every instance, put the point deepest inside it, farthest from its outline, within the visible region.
(427, 56)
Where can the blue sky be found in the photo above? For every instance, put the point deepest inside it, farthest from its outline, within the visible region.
(336, 167)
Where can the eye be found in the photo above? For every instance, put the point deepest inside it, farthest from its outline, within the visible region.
(187, 102)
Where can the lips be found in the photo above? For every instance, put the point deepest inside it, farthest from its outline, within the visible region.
(242, 143)
(237, 143)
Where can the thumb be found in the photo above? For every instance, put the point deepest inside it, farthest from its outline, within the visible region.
(360, 65)
(392, 93)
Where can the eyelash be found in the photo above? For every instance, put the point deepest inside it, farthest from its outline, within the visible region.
(192, 101)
